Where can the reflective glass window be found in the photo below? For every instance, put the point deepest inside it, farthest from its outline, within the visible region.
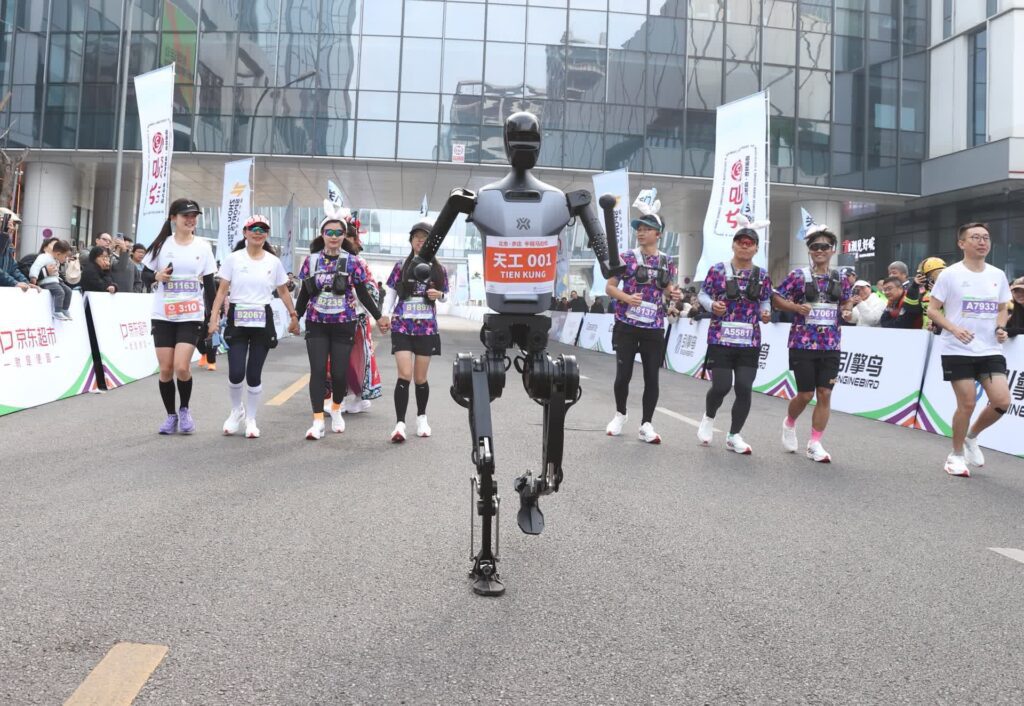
(545, 69)
(704, 9)
(781, 149)
(464, 21)
(377, 105)
(419, 107)
(639, 6)
(423, 18)
(588, 28)
(340, 17)
(666, 77)
(257, 60)
(218, 53)
(492, 145)
(506, 23)
(301, 16)
(334, 137)
(421, 64)
(849, 53)
(781, 84)
(816, 18)
(850, 22)
(779, 13)
(623, 151)
(625, 77)
(299, 102)
(551, 148)
(145, 53)
(585, 72)
(664, 144)
(337, 61)
(375, 139)
(815, 50)
(625, 118)
(704, 39)
(741, 79)
(546, 26)
(666, 35)
(550, 3)
(463, 67)
(382, 17)
(66, 57)
(744, 12)
(815, 95)
(254, 16)
(627, 32)
(379, 62)
(584, 116)
(100, 61)
(742, 42)
(779, 46)
(297, 57)
(814, 159)
(293, 136)
(699, 152)
(504, 65)
(417, 141)
(339, 104)
(704, 84)
(601, 5)
(583, 150)
(467, 136)
(462, 109)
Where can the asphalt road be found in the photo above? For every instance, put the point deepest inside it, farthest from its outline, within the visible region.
(281, 571)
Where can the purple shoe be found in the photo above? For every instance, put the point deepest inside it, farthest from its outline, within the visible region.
(185, 423)
(170, 425)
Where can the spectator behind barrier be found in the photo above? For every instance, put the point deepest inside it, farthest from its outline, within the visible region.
(45, 272)
(577, 303)
(10, 274)
(122, 268)
(596, 307)
(96, 275)
(1015, 325)
(138, 252)
(868, 308)
(904, 305)
(899, 270)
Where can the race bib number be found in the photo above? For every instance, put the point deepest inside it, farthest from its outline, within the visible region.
(417, 310)
(328, 303)
(823, 315)
(520, 265)
(643, 313)
(181, 298)
(979, 308)
(250, 316)
(737, 333)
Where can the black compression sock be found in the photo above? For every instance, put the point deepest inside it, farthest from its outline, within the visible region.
(185, 391)
(422, 395)
(167, 395)
(401, 399)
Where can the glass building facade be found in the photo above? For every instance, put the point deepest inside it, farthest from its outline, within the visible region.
(616, 83)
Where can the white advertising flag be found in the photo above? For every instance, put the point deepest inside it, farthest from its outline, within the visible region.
(291, 227)
(617, 184)
(235, 205)
(739, 189)
(334, 194)
(155, 93)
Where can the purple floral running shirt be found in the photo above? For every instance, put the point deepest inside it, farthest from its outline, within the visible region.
(740, 326)
(820, 330)
(651, 313)
(417, 315)
(327, 307)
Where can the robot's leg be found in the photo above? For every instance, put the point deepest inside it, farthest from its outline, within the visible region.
(555, 384)
(475, 382)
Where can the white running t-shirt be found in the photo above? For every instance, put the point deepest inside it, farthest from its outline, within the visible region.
(181, 299)
(971, 300)
(252, 281)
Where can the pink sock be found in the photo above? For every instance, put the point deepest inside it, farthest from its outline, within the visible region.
(816, 435)
(790, 422)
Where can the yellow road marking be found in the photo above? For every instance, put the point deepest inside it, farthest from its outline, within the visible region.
(289, 391)
(119, 676)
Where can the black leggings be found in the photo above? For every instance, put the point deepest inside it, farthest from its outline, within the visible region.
(335, 341)
(209, 351)
(245, 361)
(721, 383)
(628, 342)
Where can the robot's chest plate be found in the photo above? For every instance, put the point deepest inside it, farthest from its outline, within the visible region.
(520, 241)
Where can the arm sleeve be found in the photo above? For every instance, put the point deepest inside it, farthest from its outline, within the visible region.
(209, 292)
(704, 299)
(302, 301)
(365, 296)
(390, 300)
(148, 278)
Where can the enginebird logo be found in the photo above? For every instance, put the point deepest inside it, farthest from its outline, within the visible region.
(237, 189)
(522, 224)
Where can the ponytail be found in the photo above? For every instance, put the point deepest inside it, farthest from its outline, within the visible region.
(161, 238)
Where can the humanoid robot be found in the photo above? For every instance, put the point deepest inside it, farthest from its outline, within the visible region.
(520, 218)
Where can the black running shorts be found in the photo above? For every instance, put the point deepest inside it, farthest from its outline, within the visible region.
(969, 367)
(731, 357)
(814, 369)
(419, 345)
(168, 334)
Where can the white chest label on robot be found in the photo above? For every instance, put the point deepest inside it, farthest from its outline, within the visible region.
(520, 265)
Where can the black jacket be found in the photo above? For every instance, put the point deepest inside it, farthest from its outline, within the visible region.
(1015, 324)
(96, 280)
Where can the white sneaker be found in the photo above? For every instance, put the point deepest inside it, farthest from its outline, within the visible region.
(614, 427)
(706, 430)
(349, 403)
(957, 466)
(360, 407)
(735, 442)
(337, 421)
(316, 431)
(422, 428)
(398, 435)
(817, 452)
(234, 421)
(648, 435)
(972, 452)
(789, 438)
(251, 430)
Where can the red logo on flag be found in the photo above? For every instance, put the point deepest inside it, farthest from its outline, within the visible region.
(158, 142)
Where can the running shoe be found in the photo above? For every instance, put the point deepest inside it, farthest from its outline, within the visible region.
(817, 452)
(316, 431)
(789, 442)
(211, 367)
(614, 427)
(337, 421)
(185, 423)
(398, 435)
(61, 316)
(170, 425)
(706, 430)
(353, 404)
(735, 442)
(234, 421)
(957, 466)
(422, 428)
(251, 430)
(972, 452)
(648, 435)
(202, 361)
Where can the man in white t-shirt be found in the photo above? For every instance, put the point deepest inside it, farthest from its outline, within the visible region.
(970, 303)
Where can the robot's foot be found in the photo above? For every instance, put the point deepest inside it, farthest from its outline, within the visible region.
(485, 579)
(531, 519)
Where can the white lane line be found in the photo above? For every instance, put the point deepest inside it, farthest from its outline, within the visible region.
(1015, 554)
(685, 420)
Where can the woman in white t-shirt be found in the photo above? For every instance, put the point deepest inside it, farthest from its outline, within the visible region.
(248, 278)
(182, 266)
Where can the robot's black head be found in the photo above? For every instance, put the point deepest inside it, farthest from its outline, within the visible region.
(522, 140)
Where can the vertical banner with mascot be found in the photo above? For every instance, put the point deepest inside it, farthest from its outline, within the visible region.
(155, 94)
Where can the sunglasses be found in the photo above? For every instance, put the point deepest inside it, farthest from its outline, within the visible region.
(262, 230)
(819, 247)
(334, 233)
(745, 242)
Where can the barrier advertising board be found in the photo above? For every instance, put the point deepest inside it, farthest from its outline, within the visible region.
(596, 334)
(573, 319)
(687, 347)
(41, 360)
(123, 333)
(773, 374)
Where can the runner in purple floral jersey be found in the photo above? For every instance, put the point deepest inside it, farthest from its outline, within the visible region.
(738, 295)
(414, 334)
(817, 295)
(640, 306)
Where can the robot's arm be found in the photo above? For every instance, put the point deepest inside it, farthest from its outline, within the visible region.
(459, 201)
(606, 249)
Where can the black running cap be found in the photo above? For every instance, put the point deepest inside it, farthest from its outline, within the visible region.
(183, 207)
